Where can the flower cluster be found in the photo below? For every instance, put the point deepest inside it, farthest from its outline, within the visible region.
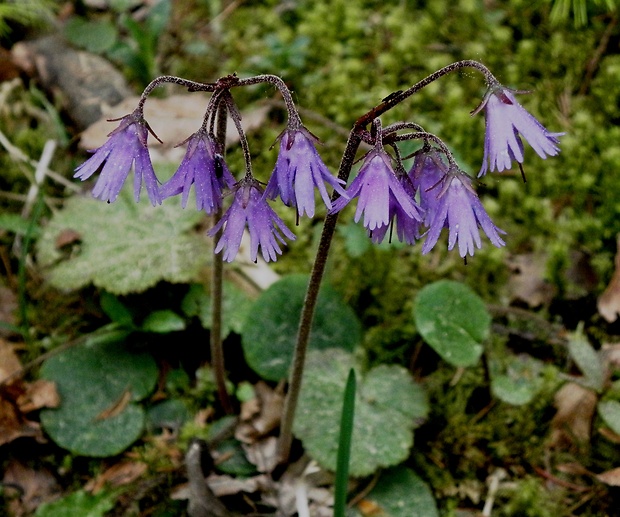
(434, 194)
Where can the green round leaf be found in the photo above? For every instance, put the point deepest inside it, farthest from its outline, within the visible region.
(387, 398)
(163, 322)
(400, 492)
(453, 320)
(98, 386)
(270, 331)
(515, 379)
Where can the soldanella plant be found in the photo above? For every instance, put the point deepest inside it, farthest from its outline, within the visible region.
(391, 200)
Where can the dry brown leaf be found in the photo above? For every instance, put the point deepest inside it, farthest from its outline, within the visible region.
(38, 394)
(263, 454)
(575, 409)
(38, 486)
(116, 407)
(527, 280)
(9, 362)
(609, 302)
(173, 119)
(610, 477)
(119, 474)
(262, 414)
(608, 434)
(369, 508)
(8, 306)
(573, 468)
(13, 425)
(610, 353)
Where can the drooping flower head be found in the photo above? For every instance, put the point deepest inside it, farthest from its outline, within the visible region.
(459, 208)
(298, 170)
(407, 227)
(204, 167)
(378, 189)
(506, 121)
(250, 208)
(126, 146)
(427, 172)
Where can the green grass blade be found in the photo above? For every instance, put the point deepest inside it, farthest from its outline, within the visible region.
(344, 447)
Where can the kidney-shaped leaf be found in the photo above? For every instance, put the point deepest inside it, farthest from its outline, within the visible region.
(270, 330)
(388, 406)
(98, 385)
(453, 320)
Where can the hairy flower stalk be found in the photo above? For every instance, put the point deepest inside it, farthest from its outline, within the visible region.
(126, 146)
(506, 120)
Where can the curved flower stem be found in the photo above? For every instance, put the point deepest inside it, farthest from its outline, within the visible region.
(397, 97)
(355, 138)
(294, 120)
(217, 275)
(192, 86)
(236, 117)
(307, 313)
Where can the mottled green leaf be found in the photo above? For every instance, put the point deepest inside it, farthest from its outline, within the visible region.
(587, 359)
(98, 385)
(453, 320)
(78, 503)
(124, 246)
(517, 379)
(400, 492)
(270, 331)
(388, 406)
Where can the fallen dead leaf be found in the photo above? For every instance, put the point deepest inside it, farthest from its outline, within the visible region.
(13, 425)
(609, 302)
(527, 280)
(573, 468)
(117, 407)
(37, 486)
(9, 362)
(39, 394)
(610, 477)
(8, 306)
(117, 475)
(608, 434)
(262, 414)
(610, 354)
(263, 454)
(575, 409)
